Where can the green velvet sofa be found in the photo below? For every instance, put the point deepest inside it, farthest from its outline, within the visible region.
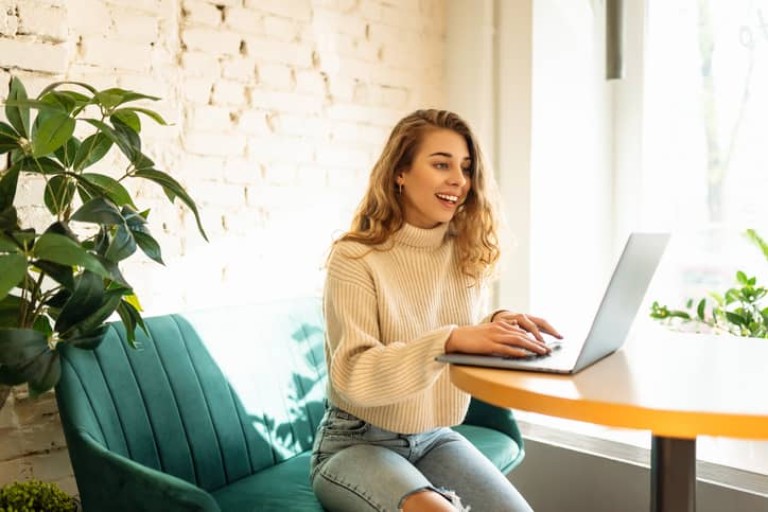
(214, 411)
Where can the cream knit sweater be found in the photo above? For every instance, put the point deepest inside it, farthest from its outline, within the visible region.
(388, 314)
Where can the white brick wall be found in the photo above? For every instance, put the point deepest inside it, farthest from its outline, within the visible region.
(278, 109)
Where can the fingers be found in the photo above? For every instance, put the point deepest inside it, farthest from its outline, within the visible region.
(547, 328)
(528, 323)
(533, 324)
(508, 351)
(521, 340)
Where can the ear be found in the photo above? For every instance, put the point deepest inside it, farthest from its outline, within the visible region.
(399, 180)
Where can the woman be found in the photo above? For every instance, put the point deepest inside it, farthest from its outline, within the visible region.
(404, 285)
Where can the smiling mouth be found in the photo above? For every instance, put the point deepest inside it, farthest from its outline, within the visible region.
(448, 199)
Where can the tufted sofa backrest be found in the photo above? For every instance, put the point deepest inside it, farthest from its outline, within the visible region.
(209, 397)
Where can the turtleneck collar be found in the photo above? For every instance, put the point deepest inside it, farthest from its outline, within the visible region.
(420, 237)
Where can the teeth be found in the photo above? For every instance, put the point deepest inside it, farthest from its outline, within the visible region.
(452, 199)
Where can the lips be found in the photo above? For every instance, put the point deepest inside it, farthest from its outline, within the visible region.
(448, 199)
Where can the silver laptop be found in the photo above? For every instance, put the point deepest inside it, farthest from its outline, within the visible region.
(611, 323)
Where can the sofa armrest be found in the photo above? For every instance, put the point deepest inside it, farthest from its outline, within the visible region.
(108, 481)
(483, 414)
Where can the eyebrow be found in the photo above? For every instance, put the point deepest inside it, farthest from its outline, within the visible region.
(447, 155)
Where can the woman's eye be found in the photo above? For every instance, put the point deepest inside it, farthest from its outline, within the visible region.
(441, 165)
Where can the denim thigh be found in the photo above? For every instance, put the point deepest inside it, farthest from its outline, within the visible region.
(454, 463)
(358, 467)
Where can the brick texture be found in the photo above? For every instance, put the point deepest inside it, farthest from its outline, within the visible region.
(277, 110)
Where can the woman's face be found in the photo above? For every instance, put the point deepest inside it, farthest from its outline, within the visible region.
(438, 179)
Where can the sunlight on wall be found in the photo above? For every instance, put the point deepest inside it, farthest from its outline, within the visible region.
(570, 178)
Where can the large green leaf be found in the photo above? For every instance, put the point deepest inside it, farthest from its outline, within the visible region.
(142, 162)
(151, 114)
(43, 373)
(84, 332)
(18, 116)
(118, 280)
(735, 318)
(86, 298)
(113, 97)
(44, 165)
(124, 145)
(53, 130)
(68, 101)
(109, 187)
(137, 223)
(89, 340)
(19, 346)
(93, 149)
(9, 220)
(131, 317)
(122, 244)
(59, 100)
(66, 153)
(99, 211)
(11, 313)
(10, 310)
(149, 246)
(26, 357)
(128, 117)
(59, 299)
(129, 135)
(23, 237)
(55, 85)
(9, 139)
(65, 251)
(42, 106)
(58, 194)
(62, 274)
(8, 183)
(13, 268)
(7, 244)
(172, 188)
(60, 228)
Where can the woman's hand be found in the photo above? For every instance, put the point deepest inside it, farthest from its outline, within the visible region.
(531, 324)
(504, 336)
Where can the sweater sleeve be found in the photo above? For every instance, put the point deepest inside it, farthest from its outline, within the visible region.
(363, 370)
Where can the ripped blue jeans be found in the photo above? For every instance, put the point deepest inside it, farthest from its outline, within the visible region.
(358, 467)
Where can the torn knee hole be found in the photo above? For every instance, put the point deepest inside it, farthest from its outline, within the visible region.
(450, 496)
(454, 499)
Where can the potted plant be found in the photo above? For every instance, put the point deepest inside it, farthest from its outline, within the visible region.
(740, 310)
(36, 496)
(60, 282)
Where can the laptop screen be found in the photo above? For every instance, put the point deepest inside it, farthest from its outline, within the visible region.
(623, 296)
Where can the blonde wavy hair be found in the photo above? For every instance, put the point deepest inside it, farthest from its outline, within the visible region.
(380, 212)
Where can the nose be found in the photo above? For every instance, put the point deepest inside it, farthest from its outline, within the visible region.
(457, 177)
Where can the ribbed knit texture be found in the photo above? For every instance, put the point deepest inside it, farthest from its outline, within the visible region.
(389, 314)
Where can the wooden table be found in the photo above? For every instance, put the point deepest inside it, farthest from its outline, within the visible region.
(678, 386)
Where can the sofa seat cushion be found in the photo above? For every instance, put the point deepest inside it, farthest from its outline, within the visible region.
(500, 448)
(282, 487)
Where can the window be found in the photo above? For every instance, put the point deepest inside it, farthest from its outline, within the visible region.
(581, 161)
(703, 170)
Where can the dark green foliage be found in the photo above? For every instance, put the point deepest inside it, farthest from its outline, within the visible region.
(35, 496)
(740, 310)
(60, 285)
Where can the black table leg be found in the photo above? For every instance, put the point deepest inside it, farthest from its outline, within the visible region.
(673, 475)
